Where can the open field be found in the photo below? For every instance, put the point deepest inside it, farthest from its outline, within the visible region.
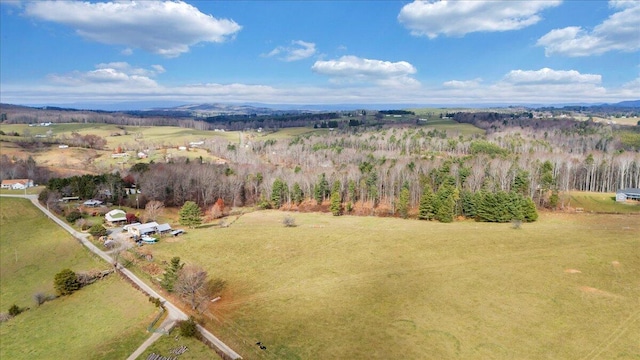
(106, 320)
(197, 350)
(602, 203)
(379, 288)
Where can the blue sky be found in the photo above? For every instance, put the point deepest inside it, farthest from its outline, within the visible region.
(444, 53)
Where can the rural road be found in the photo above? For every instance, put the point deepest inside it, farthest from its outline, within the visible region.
(173, 312)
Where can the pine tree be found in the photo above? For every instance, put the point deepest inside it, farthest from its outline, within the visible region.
(403, 203)
(321, 189)
(171, 274)
(425, 211)
(469, 203)
(190, 214)
(296, 194)
(336, 204)
(66, 282)
(278, 193)
(529, 211)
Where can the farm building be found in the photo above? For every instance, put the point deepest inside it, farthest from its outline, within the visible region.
(148, 228)
(17, 184)
(115, 217)
(628, 194)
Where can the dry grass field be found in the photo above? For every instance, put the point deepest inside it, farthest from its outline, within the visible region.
(378, 288)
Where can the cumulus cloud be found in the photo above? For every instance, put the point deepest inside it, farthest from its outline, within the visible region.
(457, 18)
(549, 76)
(354, 69)
(166, 28)
(117, 74)
(619, 32)
(298, 50)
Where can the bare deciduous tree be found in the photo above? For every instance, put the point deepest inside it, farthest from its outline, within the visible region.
(153, 210)
(191, 284)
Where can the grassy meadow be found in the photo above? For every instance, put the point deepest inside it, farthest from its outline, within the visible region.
(373, 288)
(106, 320)
(600, 203)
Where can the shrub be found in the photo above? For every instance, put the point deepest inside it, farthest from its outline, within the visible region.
(66, 282)
(289, 221)
(188, 328)
(73, 216)
(156, 301)
(15, 310)
(84, 224)
(5, 317)
(98, 230)
(40, 298)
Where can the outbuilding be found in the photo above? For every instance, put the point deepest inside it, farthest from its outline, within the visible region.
(628, 194)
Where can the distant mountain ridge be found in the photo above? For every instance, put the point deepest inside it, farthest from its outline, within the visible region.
(216, 109)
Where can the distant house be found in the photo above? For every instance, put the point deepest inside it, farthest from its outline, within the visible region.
(115, 217)
(153, 227)
(628, 194)
(17, 184)
(92, 203)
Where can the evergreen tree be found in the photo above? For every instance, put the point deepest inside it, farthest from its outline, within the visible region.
(426, 209)
(296, 194)
(521, 182)
(403, 202)
(445, 204)
(321, 189)
(529, 211)
(485, 207)
(171, 274)
(469, 203)
(336, 204)
(190, 214)
(66, 282)
(278, 193)
(351, 190)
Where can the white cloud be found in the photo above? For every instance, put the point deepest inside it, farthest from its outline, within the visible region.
(120, 81)
(166, 28)
(457, 18)
(462, 84)
(297, 51)
(354, 69)
(619, 32)
(548, 76)
(117, 75)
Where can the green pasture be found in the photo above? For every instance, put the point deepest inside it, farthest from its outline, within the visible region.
(385, 288)
(32, 250)
(454, 128)
(601, 203)
(106, 320)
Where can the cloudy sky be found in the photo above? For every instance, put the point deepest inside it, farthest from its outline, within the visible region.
(320, 52)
